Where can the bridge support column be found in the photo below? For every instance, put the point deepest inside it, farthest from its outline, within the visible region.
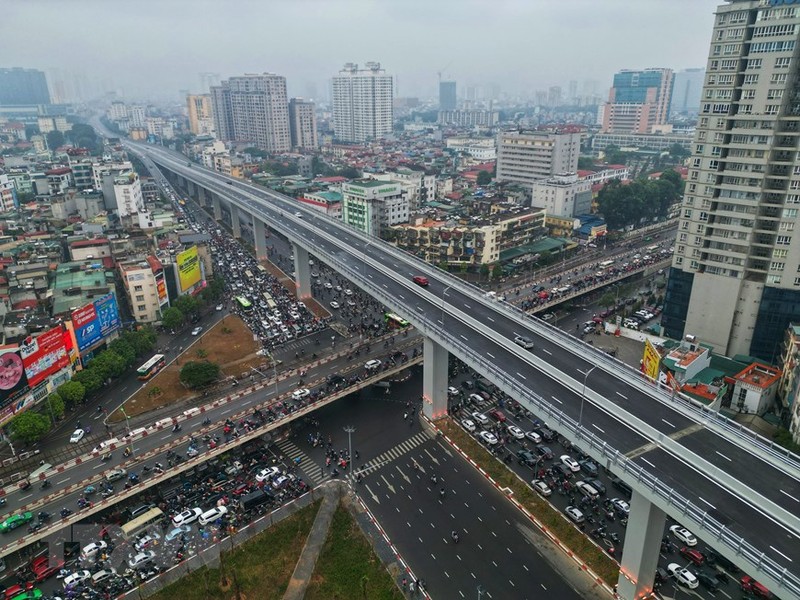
(217, 207)
(191, 188)
(642, 545)
(236, 226)
(260, 239)
(434, 379)
(302, 272)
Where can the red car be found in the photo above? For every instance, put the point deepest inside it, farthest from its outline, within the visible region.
(420, 280)
(757, 589)
(693, 555)
(497, 415)
(17, 589)
(240, 489)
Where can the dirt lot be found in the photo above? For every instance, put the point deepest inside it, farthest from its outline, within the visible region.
(229, 343)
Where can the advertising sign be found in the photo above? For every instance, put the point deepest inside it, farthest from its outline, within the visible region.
(44, 355)
(188, 268)
(87, 327)
(161, 288)
(651, 360)
(107, 314)
(13, 383)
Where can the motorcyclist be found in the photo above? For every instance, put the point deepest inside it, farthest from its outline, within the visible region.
(454, 536)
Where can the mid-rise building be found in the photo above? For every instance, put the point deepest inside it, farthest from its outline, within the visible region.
(686, 91)
(482, 149)
(137, 116)
(128, 194)
(253, 109)
(638, 101)
(143, 281)
(525, 157)
(7, 194)
(372, 206)
(198, 108)
(563, 195)
(735, 276)
(303, 124)
(789, 386)
(362, 103)
(447, 95)
(469, 117)
(23, 86)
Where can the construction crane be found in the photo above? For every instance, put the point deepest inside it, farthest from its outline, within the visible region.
(440, 71)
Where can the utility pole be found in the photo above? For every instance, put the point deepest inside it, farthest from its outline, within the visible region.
(350, 431)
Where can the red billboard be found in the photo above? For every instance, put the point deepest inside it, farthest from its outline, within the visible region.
(45, 354)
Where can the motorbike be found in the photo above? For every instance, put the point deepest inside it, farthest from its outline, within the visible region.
(206, 421)
(43, 516)
(65, 512)
(176, 428)
(46, 484)
(127, 452)
(89, 490)
(454, 537)
(106, 457)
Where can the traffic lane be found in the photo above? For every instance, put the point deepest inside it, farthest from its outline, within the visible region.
(494, 549)
(743, 520)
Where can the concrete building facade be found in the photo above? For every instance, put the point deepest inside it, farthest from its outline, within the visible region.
(128, 194)
(563, 195)
(447, 95)
(371, 206)
(469, 117)
(638, 101)
(362, 103)
(303, 124)
(525, 157)
(198, 109)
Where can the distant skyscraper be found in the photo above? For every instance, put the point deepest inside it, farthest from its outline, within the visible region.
(199, 110)
(735, 276)
(362, 103)
(554, 96)
(447, 95)
(303, 124)
(686, 91)
(638, 101)
(573, 92)
(208, 80)
(253, 109)
(23, 86)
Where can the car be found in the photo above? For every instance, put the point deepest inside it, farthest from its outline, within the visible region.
(574, 513)
(534, 437)
(497, 415)
(621, 486)
(544, 452)
(548, 316)
(15, 521)
(177, 532)
(197, 330)
(452, 391)
(140, 510)
(516, 432)
(266, 474)
(212, 515)
(541, 487)
(301, 393)
(76, 436)
(115, 475)
(708, 581)
(335, 304)
(692, 554)
(526, 343)
(597, 484)
(298, 214)
(141, 559)
(683, 575)
(587, 490)
(103, 575)
(219, 307)
(190, 515)
(488, 438)
(526, 457)
(588, 466)
(759, 590)
(149, 539)
(372, 365)
(468, 424)
(480, 418)
(328, 285)
(89, 551)
(622, 507)
(570, 463)
(76, 578)
(420, 280)
(684, 535)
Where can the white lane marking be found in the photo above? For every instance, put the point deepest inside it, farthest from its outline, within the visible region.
(722, 455)
(707, 502)
(226, 411)
(63, 481)
(521, 375)
(490, 355)
(598, 429)
(467, 306)
(490, 319)
(668, 423)
(369, 275)
(24, 497)
(623, 396)
(781, 553)
(248, 402)
(163, 437)
(464, 338)
(790, 496)
(648, 462)
(546, 351)
(401, 296)
(556, 399)
(386, 286)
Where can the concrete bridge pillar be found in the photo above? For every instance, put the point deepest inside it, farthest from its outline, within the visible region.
(642, 545)
(236, 226)
(260, 239)
(217, 206)
(434, 379)
(302, 271)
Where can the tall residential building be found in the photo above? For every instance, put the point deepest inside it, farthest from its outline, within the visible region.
(253, 109)
(638, 101)
(23, 86)
(686, 91)
(447, 95)
(362, 103)
(137, 116)
(303, 124)
(525, 157)
(128, 194)
(198, 107)
(554, 96)
(735, 276)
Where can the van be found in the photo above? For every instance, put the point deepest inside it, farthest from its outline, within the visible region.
(255, 499)
(587, 490)
(485, 385)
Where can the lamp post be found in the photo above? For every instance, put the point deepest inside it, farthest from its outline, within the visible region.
(444, 293)
(583, 395)
(128, 426)
(274, 371)
(350, 431)
(481, 592)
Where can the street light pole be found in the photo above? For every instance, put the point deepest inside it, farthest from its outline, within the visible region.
(481, 592)
(350, 431)
(444, 293)
(128, 426)
(583, 395)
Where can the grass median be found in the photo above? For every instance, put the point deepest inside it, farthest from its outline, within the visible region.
(348, 567)
(261, 567)
(575, 540)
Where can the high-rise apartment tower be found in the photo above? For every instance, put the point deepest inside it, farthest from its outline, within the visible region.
(362, 103)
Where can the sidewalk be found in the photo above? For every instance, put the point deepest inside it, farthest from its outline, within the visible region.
(316, 540)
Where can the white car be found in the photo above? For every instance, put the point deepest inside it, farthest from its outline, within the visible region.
(144, 542)
(683, 575)
(328, 285)
(623, 508)
(103, 575)
(335, 304)
(348, 292)
(684, 535)
(177, 532)
(480, 418)
(488, 437)
(453, 391)
(300, 394)
(534, 437)
(76, 436)
(76, 578)
(141, 559)
(90, 550)
(570, 462)
(516, 432)
(541, 487)
(574, 514)
(197, 330)
(523, 341)
(189, 515)
(298, 214)
(373, 364)
(212, 515)
(268, 473)
(468, 424)
(220, 307)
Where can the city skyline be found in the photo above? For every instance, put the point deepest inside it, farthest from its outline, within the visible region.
(141, 55)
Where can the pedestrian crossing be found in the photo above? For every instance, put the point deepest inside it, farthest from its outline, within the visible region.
(310, 469)
(393, 453)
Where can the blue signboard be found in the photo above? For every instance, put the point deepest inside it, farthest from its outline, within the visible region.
(107, 314)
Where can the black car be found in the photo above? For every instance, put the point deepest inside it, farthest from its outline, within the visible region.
(708, 581)
(546, 433)
(588, 466)
(621, 486)
(335, 379)
(544, 452)
(598, 485)
(526, 458)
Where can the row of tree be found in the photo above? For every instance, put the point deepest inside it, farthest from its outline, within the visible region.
(81, 136)
(638, 201)
(187, 306)
(121, 354)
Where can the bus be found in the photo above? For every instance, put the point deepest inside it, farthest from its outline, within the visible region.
(249, 274)
(243, 303)
(135, 526)
(271, 304)
(262, 269)
(394, 321)
(606, 263)
(151, 367)
(652, 249)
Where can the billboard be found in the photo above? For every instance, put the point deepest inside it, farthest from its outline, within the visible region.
(189, 273)
(107, 314)
(651, 361)
(87, 328)
(161, 289)
(13, 383)
(46, 354)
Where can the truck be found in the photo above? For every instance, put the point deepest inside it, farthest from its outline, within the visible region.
(255, 499)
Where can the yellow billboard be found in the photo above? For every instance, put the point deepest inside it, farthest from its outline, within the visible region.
(651, 360)
(188, 268)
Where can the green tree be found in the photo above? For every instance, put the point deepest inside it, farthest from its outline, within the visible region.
(608, 300)
(173, 318)
(55, 139)
(143, 340)
(89, 379)
(485, 270)
(125, 350)
(187, 304)
(73, 392)
(198, 374)
(497, 271)
(349, 173)
(484, 178)
(56, 406)
(678, 152)
(84, 136)
(113, 364)
(586, 163)
(30, 426)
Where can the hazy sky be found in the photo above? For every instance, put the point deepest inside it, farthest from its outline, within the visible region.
(147, 47)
